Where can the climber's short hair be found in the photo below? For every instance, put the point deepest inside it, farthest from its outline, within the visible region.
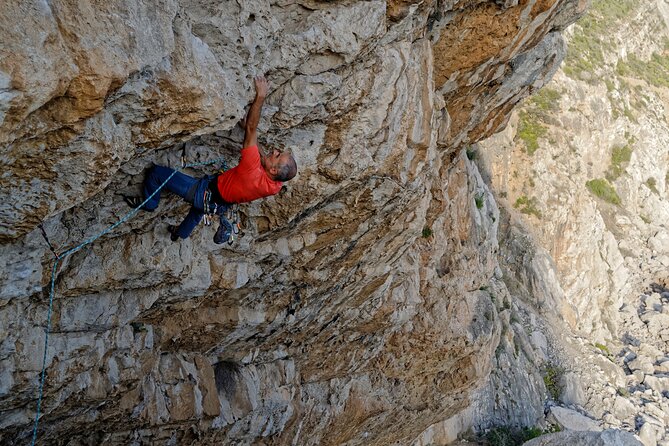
(288, 169)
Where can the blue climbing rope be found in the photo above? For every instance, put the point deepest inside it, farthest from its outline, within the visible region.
(71, 251)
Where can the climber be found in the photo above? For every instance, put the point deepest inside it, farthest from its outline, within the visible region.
(256, 176)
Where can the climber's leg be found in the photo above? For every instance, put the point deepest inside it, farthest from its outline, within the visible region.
(179, 184)
(195, 196)
(190, 222)
(224, 229)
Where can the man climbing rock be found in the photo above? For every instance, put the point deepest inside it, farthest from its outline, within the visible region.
(256, 176)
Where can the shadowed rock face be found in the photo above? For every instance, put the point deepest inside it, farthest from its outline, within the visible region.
(351, 311)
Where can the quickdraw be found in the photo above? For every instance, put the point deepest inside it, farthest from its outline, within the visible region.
(232, 216)
(210, 207)
(229, 215)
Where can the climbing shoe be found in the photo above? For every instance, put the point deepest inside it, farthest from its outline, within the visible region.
(173, 233)
(135, 202)
(224, 232)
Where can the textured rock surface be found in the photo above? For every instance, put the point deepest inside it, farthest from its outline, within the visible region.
(571, 420)
(602, 118)
(593, 131)
(359, 295)
(608, 437)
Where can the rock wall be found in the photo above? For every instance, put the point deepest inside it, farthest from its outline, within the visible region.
(355, 310)
(596, 122)
(583, 168)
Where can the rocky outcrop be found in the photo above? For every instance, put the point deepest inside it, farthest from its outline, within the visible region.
(583, 168)
(606, 438)
(606, 216)
(358, 296)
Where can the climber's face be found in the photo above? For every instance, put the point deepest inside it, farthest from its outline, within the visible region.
(273, 161)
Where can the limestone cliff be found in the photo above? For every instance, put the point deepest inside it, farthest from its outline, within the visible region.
(583, 167)
(357, 308)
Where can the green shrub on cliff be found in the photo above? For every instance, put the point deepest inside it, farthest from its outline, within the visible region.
(552, 377)
(529, 131)
(604, 190)
(514, 436)
(604, 349)
(590, 41)
(527, 206)
(620, 156)
(508, 436)
(479, 200)
(654, 71)
(546, 100)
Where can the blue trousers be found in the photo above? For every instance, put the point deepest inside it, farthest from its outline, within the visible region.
(180, 184)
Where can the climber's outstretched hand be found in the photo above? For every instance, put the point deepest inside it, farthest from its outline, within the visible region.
(253, 116)
(262, 87)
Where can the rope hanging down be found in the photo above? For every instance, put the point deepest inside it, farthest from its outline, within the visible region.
(71, 251)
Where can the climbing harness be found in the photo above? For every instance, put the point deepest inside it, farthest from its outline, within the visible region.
(64, 254)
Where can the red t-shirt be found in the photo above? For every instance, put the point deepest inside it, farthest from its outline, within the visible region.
(247, 181)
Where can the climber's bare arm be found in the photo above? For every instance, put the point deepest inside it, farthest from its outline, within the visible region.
(253, 116)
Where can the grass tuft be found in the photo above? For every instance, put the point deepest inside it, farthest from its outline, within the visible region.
(605, 350)
(478, 199)
(527, 206)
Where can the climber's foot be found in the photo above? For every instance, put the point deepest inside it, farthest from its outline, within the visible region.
(135, 202)
(173, 233)
(224, 232)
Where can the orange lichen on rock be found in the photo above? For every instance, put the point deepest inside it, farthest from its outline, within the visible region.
(398, 9)
(474, 37)
(495, 120)
(487, 31)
